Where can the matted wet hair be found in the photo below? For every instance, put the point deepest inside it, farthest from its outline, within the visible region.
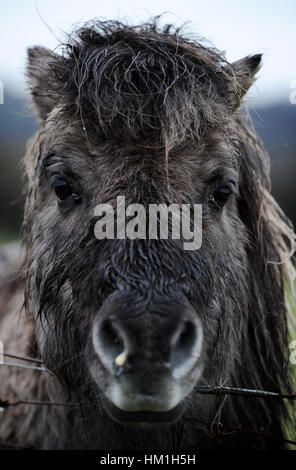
(144, 82)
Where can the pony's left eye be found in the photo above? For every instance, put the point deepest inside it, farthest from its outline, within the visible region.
(222, 195)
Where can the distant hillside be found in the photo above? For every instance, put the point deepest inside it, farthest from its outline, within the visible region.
(276, 124)
(15, 119)
(16, 126)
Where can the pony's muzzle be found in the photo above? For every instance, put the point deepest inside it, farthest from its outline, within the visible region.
(147, 356)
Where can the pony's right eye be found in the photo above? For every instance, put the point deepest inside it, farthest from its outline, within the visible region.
(64, 191)
(221, 195)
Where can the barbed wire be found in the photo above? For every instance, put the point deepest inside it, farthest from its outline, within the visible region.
(24, 366)
(23, 358)
(216, 427)
(204, 389)
(243, 392)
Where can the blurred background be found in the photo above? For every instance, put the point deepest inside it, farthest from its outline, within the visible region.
(239, 28)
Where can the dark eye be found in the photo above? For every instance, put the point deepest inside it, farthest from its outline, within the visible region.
(221, 195)
(64, 190)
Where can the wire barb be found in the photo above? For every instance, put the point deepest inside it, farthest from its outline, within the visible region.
(243, 392)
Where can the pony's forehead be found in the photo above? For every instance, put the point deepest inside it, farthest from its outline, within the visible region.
(69, 144)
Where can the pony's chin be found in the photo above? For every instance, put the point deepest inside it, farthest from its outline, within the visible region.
(144, 418)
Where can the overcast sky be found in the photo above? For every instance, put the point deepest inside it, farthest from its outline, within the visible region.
(237, 27)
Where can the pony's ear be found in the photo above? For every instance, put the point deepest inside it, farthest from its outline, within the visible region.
(243, 73)
(42, 79)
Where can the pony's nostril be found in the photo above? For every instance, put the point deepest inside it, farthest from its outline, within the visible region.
(110, 339)
(184, 347)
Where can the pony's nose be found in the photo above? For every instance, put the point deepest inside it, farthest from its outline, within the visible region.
(164, 344)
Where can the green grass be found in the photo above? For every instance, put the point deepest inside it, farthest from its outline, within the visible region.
(290, 429)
